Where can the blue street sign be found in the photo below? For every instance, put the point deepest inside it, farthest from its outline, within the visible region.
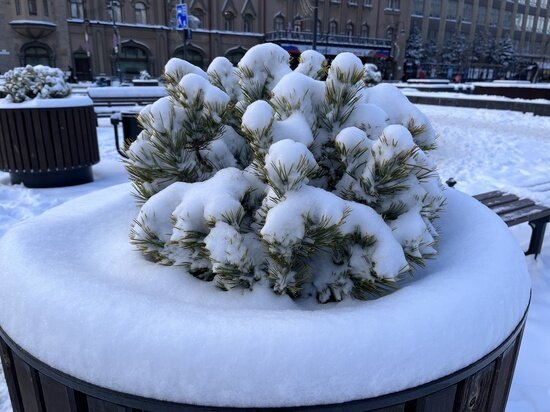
(181, 16)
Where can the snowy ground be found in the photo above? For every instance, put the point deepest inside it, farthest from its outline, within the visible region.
(481, 149)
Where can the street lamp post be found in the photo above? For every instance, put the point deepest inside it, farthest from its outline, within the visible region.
(116, 42)
(315, 19)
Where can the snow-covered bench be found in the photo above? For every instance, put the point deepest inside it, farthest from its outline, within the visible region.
(514, 211)
(124, 96)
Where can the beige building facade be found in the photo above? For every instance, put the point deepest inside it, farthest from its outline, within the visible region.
(124, 37)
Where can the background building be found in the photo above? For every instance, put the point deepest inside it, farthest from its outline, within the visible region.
(480, 34)
(124, 37)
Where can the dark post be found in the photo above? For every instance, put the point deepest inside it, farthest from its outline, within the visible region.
(315, 19)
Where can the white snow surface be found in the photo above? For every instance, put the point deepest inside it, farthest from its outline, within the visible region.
(70, 101)
(476, 146)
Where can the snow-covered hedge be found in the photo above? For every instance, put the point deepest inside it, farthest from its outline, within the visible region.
(25, 83)
(303, 181)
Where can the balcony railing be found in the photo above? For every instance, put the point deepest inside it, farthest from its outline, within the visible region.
(324, 38)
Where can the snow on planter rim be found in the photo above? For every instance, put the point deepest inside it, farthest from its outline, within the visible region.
(75, 295)
(39, 103)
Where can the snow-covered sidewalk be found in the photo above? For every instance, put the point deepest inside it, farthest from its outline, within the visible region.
(482, 149)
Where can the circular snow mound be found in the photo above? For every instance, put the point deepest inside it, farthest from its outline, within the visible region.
(77, 296)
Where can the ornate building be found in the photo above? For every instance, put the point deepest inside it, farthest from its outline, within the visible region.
(124, 37)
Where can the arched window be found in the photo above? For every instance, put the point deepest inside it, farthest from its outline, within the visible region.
(248, 25)
(192, 55)
(279, 23)
(333, 27)
(298, 24)
(141, 12)
(32, 7)
(365, 30)
(349, 29)
(76, 9)
(235, 55)
(114, 11)
(229, 21)
(36, 54)
(199, 14)
(132, 60)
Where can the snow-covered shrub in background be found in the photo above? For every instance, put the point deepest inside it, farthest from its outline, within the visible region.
(144, 75)
(260, 176)
(29, 82)
(372, 75)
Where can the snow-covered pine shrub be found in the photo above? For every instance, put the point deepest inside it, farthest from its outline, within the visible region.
(372, 74)
(29, 82)
(144, 75)
(260, 176)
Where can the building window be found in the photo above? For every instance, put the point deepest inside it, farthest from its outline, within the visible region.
(229, 21)
(235, 55)
(192, 55)
(519, 21)
(507, 21)
(17, 7)
(32, 7)
(529, 24)
(76, 9)
(248, 23)
(452, 9)
(365, 30)
(352, 2)
(114, 11)
(392, 5)
(199, 14)
(35, 55)
(350, 29)
(45, 7)
(481, 13)
(279, 23)
(468, 11)
(141, 13)
(333, 27)
(435, 8)
(543, 4)
(540, 24)
(367, 3)
(298, 22)
(418, 9)
(133, 60)
(494, 17)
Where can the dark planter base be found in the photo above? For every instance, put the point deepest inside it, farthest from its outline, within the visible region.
(61, 178)
(481, 386)
(48, 147)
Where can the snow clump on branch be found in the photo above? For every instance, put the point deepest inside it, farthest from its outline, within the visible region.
(306, 182)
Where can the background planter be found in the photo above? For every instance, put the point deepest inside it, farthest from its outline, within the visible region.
(48, 146)
(482, 386)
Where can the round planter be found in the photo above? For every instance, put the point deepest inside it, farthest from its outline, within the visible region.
(50, 143)
(88, 325)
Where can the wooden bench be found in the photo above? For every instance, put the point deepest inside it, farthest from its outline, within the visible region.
(514, 211)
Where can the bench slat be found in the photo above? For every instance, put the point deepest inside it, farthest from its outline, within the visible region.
(488, 195)
(512, 206)
(499, 200)
(527, 214)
